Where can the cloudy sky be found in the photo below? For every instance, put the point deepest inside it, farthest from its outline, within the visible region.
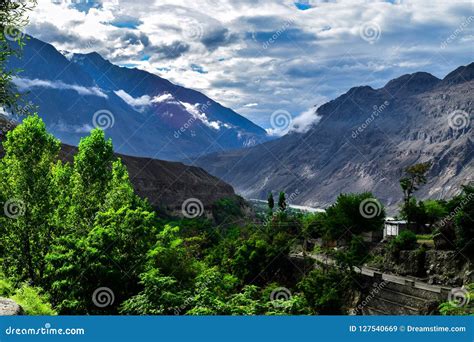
(258, 57)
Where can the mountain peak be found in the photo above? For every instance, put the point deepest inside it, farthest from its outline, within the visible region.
(462, 74)
(415, 83)
(93, 57)
(75, 88)
(361, 90)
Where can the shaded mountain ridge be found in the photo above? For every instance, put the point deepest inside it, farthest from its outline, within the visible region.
(146, 115)
(364, 140)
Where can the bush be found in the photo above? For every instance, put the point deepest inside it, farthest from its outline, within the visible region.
(6, 287)
(326, 290)
(464, 222)
(33, 301)
(406, 240)
(353, 214)
(355, 255)
(460, 305)
(226, 210)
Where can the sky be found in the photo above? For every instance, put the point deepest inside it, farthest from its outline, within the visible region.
(264, 57)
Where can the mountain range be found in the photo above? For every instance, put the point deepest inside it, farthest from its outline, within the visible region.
(144, 114)
(363, 142)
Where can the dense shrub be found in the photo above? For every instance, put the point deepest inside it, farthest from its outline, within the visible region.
(33, 301)
(227, 210)
(406, 240)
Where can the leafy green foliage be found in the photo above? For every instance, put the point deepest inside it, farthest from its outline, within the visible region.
(435, 210)
(26, 174)
(93, 231)
(356, 254)
(464, 306)
(464, 222)
(415, 176)
(227, 210)
(406, 240)
(33, 301)
(112, 246)
(325, 290)
(271, 202)
(282, 201)
(346, 217)
(13, 19)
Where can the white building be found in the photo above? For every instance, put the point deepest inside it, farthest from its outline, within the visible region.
(393, 228)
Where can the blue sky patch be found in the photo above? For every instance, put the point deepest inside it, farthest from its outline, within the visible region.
(302, 5)
(198, 68)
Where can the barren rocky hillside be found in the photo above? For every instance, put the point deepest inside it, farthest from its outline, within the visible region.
(366, 137)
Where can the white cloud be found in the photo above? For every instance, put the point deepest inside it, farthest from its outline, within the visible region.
(141, 101)
(26, 84)
(62, 127)
(195, 112)
(251, 54)
(165, 97)
(303, 122)
(249, 105)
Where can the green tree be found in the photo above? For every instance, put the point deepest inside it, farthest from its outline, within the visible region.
(212, 290)
(326, 290)
(112, 252)
(27, 188)
(435, 211)
(464, 222)
(12, 19)
(418, 214)
(353, 214)
(415, 176)
(169, 277)
(271, 202)
(282, 201)
(91, 174)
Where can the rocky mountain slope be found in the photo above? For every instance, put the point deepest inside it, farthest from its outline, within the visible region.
(145, 114)
(166, 184)
(364, 140)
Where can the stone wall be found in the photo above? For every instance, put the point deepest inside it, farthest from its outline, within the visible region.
(384, 294)
(435, 267)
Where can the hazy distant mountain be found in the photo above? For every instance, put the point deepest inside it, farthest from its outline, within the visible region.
(364, 140)
(145, 115)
